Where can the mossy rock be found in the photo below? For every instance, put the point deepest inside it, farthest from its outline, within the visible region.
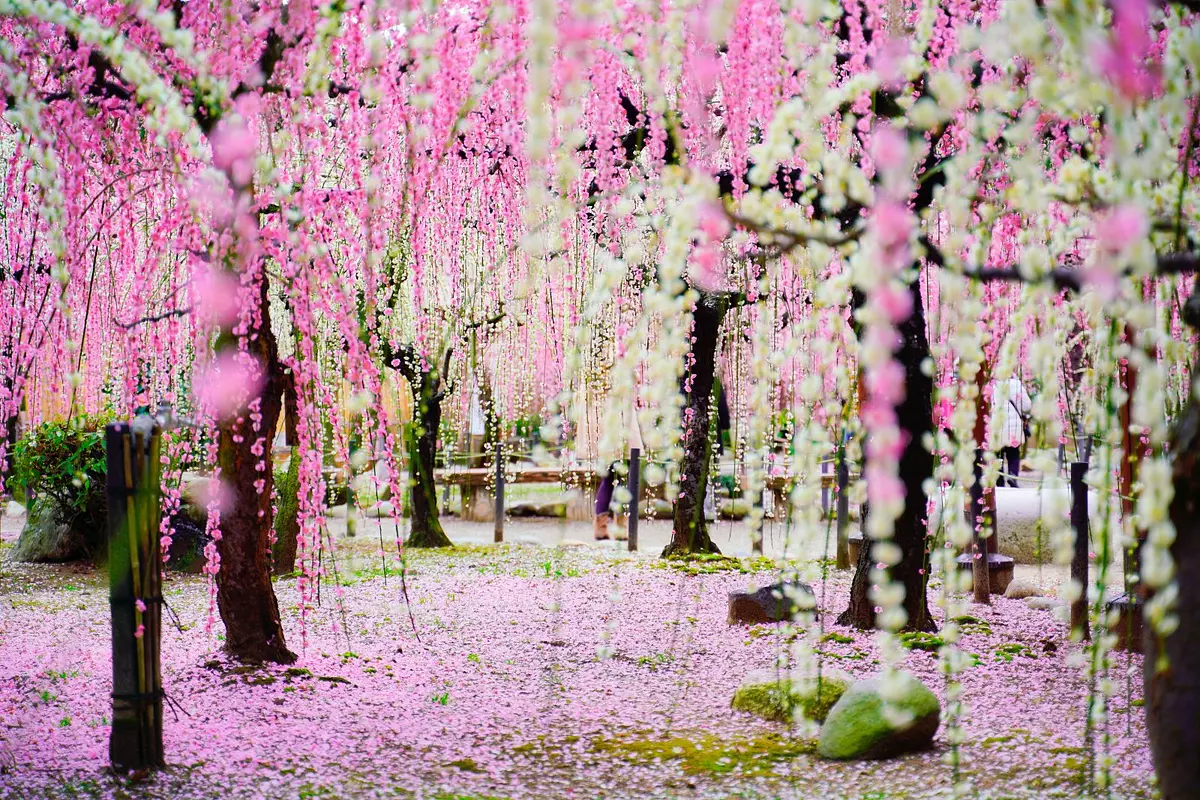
(735, 509)
(857, 727)
(780, 699)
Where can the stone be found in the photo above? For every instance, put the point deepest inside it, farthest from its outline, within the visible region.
(381, 510)
(1043, 603)
(45, 539)
(777, 697)
(855, 541)
(1127, 611)
(1020, 588)
(188, 540)
(14, 509)
(857, 727)
(734, 509)
(768, 604)
(1000, 570)
(552, 510)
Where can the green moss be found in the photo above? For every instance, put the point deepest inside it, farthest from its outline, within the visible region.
(705, 754)
(919, 640)
(711, 563)
(466, 765)
(857, 723)
(779, 700)
(837, 638)
(1007, 652)
(972, 625)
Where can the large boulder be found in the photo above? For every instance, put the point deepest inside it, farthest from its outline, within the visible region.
(779, 697)
(774, 603)
(858, 726)
(47, 539)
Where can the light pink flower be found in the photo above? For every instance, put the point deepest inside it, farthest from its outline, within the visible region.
(1124, 59)
(215, 297)
(888, 147)
(233, 147)
(227, 383)
(713, 222)
(706, 269)
(1121, 227)
(891, 223)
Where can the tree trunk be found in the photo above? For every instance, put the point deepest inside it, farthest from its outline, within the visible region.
(420, 438)
(245, 597)
(1173, 695)
(287, 523)
(690, 531)
(915, 414)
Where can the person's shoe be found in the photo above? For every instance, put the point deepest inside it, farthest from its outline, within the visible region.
(621, 534)
(600, 526)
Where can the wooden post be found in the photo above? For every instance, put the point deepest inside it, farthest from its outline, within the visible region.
(824, 490)
(635, 489)
(843, 508)
(499, 526)
(1079, 560)
(135, 594)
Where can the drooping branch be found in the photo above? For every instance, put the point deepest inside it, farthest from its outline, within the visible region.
(1073, 279)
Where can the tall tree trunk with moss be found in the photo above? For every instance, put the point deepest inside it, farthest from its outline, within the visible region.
(420, 439)
(915, 417)
(245, 598)
(689, 533)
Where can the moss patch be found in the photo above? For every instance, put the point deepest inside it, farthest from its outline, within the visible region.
(710, 755)
(779, 700)
(919, 640)
(711, 563)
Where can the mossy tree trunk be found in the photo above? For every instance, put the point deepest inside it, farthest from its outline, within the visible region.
(420, 441)
(245, 597)
(287, 522)
(689, 533)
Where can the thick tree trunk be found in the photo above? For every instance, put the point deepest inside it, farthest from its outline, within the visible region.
(245, 597)
(1173, 694)
(915, 415)
(690, 532)
(421, 441)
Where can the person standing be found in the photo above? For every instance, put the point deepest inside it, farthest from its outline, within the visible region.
(1011, 406)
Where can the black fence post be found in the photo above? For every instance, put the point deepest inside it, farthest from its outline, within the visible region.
(499, 527)
(843, 508)
(635, 455)
(135, 593)
(1079, 560)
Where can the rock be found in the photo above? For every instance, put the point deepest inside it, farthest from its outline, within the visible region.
(45, 539)
(735, 509)
(857, 728)
(188, 540)
(780, 698)
(553, 510)
(768, 604)
(1043, 603)
(14, 509)
(1000, 570)
(1021, 588)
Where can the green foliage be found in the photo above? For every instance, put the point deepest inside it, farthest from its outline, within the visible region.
(919, 640)
(779, 700)
(713, 755)
(1007, 652)
(65, 464)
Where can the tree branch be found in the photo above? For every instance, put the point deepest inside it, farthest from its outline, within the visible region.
(1072, 279)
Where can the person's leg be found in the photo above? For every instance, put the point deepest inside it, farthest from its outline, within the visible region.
(1012, 456)
(604, 495)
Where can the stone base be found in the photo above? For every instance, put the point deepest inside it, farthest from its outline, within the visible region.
(1000, 570)
(478, 505)
(855, 540)
(1129, 622)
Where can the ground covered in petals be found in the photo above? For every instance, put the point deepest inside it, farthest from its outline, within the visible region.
(499, 686)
